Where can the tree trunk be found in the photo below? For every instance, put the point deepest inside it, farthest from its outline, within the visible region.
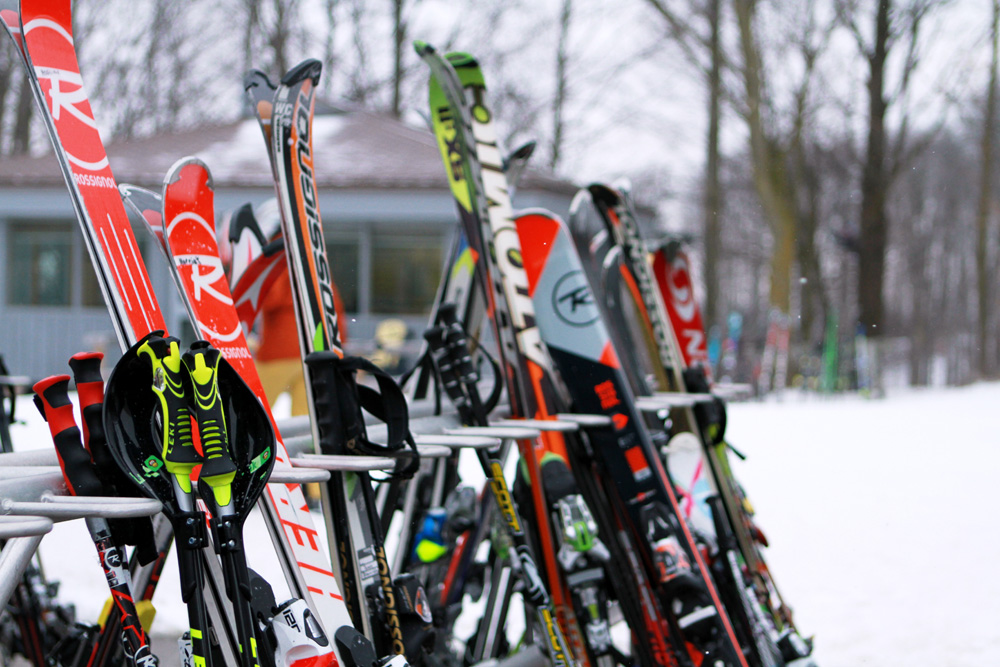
(284, 14)
(398, 44)
(253, 19)
(984, 364)
(330, 43)
(769, 170)
(7, 67)
(22, 120)
(713, 195)
(559, 101)
(874, 182)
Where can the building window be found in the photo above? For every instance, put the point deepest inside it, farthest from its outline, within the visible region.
(342, 254)
(406, 269)
(40, 262)
(90, 289)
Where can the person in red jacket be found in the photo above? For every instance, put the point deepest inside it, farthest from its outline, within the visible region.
(279, 358)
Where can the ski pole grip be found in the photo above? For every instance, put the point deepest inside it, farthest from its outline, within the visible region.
(323, 381)
(170, 386)
(52, 400)
(440, 357)
(218, 470)
(86, 368)
(458, 344)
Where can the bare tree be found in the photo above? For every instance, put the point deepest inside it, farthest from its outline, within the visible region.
(8, 65)
(706, 55)
(330, 56)
(251, 25)
(21, 135)
(713, 193)
(559, 99)
(399, 46)
(985, 365)
(892, 26)
(779, 155)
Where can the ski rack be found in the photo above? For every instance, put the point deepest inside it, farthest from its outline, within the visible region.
(33, 493)
(585, 421)
(24, 526)
(19, 550)
(732, 390)
(30, 504)
(457, 441)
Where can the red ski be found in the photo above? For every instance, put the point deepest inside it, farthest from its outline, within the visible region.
(672, 273)
(189, 236)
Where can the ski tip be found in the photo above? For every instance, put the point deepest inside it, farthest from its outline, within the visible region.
(307, 69)
(524, 151)
(141, 204)
(623, 185)
(175, 173)
(257, 79)
(422, 48)
(462, 59)
(603, 195)
(244, 218)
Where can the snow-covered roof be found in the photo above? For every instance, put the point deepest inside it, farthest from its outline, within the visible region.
(354, 149)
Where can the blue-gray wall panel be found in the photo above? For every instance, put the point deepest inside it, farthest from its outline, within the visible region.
(38, 341)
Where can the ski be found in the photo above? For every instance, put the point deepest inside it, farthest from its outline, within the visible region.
(480, 191)
(671, 269)
(696, 453)
(468, 146)
(690, 456)
(285, 113)
(182, 221)
(257, 260)
(672, 272)
(43, 32)
(582, 349)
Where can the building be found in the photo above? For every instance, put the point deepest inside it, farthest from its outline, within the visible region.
(386, 208)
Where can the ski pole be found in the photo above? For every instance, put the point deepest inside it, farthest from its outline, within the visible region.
(79, 471)
(171, 386)
(217, 474)
(86, 367)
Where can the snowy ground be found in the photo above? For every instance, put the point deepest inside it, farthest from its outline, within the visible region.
(878, 514)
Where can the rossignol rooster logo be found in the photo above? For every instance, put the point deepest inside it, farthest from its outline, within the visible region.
(573, 301)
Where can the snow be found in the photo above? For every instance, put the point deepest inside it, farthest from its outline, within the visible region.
(878, 514)
(245, 149)
(246, 146)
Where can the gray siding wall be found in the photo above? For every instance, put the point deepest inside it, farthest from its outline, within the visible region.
(37, 341)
